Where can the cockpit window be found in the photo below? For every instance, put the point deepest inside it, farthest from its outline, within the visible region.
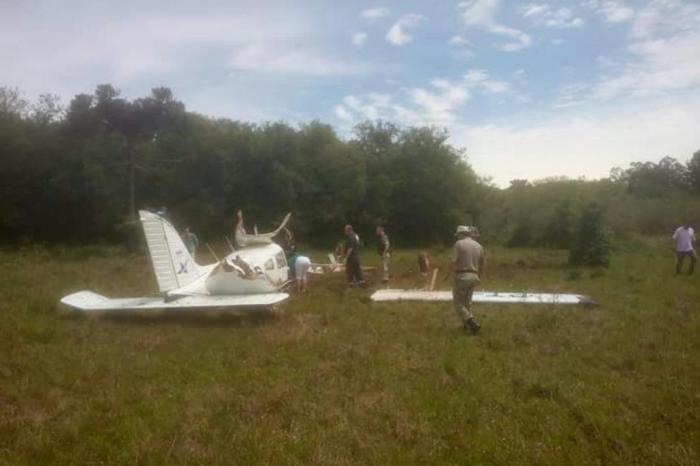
(281, 260)
(269, 265)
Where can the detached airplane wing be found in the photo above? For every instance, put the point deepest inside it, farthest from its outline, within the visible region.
(483, 297)
(89, 301)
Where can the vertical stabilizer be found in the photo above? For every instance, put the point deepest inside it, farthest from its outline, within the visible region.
(173, 265)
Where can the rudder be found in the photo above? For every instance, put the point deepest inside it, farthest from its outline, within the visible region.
(173, 265)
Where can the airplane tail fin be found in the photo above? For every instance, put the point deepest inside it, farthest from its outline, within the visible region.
(173, 265)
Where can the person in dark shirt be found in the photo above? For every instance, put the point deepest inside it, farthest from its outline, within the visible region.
(353, 270)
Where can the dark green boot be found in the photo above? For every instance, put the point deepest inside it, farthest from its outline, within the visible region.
(472, 326)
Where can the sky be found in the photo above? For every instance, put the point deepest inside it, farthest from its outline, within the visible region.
(528, 89)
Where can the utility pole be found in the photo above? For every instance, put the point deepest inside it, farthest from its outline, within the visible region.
(132, 179)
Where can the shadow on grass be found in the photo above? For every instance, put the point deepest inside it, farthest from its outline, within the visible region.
(191, 318)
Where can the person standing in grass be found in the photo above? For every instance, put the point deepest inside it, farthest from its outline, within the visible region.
(353, 270)
(467, 264)
(191, 241)
(424, 263)
(685, 247)
(383, 247)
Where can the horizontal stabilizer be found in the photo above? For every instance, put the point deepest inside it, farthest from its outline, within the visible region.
(244, 239)
(89, 301)
(483, 297)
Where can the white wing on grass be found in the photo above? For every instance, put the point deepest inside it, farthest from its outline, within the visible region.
(483, 297)
(89, 301)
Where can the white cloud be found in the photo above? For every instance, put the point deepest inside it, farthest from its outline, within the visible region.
(614, 11)
(666, 18)
(342, 113)
(375, 13)
(280, 59)
(663, 53)
(663, 66)
(433, 106)
(372, 106)
(544, 15)
(480, 79)
(135, 52)
(534, 9)
(461, 47)
(436, 104)
(582, 145)
(397, 34)
(359, 38)
(573, 95)
(567, 144)
(459, 41)
(665, 48)
(481, 14)
(605, 63)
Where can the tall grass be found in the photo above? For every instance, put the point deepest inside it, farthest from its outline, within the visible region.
(336, 379)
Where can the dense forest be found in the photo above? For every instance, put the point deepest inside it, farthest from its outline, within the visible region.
(79, 173)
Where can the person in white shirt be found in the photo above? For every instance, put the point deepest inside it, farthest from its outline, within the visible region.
(685, 247)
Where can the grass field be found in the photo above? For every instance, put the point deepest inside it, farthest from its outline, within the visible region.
(335, 379)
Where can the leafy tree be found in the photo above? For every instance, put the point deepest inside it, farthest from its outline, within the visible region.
(12, 102)
(649, 179)
(694, 171)
(48, 109)
(557, 233)
(591, 245)
(379, 144)
(80, 174)
(434, 188)
(522, 235)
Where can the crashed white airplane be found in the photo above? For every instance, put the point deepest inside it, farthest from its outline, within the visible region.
(251, 277)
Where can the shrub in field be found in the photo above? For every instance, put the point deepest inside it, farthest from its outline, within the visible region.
(557, 233)
(522, 235)
(694, 171)
(591, 245)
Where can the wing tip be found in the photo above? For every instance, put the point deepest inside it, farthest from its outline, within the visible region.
(82, 299)
(587, 301)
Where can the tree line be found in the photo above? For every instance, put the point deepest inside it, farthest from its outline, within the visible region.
(78, 174)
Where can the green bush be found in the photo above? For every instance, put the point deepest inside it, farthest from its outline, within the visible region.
(591, 245)
(557, 233)
(522, 236)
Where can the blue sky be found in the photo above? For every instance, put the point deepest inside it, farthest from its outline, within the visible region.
(529, 89)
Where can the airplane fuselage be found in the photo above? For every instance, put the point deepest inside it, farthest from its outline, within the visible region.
(251, 270)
